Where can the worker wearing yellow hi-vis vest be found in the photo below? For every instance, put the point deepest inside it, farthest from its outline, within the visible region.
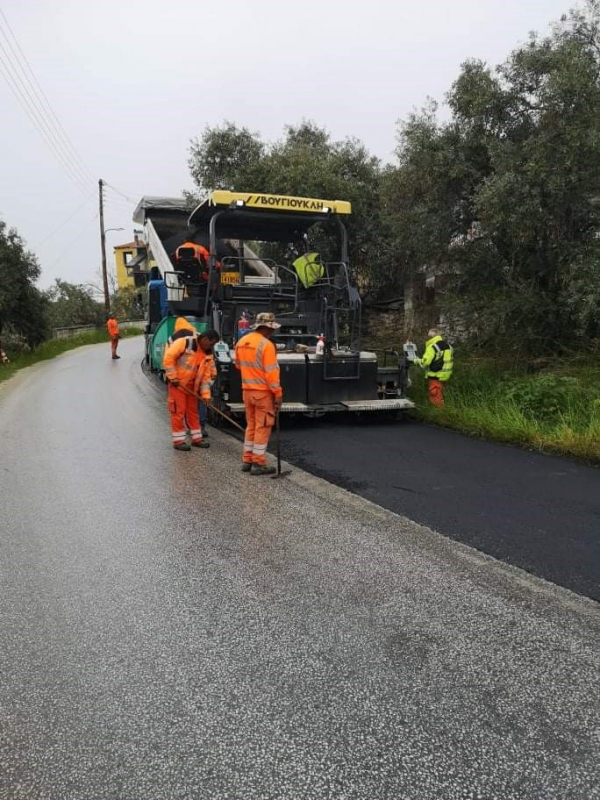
(309, 269)
(437, 360)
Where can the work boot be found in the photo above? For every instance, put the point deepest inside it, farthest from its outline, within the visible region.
(204, 433)
(246, 467)
(201, 443)
(259, 469)
(184, 446)
(114, 357)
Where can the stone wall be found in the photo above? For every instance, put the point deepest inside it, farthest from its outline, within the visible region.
(383, 329)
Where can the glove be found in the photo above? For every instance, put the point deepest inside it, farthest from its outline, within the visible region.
(278, 403)
(174, 382)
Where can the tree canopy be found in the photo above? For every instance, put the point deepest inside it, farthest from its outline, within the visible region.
(504, 198)
(71, 304)
(22, 305)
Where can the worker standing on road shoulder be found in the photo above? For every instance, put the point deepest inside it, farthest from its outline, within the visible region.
(112, 326)
(187, 362)
(438, 361)
(256, 358)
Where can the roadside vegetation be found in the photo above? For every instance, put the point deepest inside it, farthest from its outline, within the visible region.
(554, 409)
(29, 315)
(54, 347)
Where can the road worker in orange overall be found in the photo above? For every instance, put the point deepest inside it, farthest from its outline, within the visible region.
(256, 358)
(188, 369)
(201, 254)
(112, 326)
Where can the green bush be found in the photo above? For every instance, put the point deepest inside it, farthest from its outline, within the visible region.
(556, 411)
(544, 398)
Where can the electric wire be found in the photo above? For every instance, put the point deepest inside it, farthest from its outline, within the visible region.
(122, 194)
(22, 100)
(27, 72)
(62, 224)
(27, 102)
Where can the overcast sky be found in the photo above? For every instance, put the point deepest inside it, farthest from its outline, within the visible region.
(131, 82)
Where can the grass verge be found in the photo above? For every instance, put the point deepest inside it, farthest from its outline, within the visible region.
(553, 410)
(54, 347)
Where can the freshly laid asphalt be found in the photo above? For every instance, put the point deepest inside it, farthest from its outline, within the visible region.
(172, 628)
(537, 512)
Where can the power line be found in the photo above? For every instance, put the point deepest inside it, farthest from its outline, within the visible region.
(42, 98)
(62, 225)
(22, 100)
(23, 88)
(122, 194)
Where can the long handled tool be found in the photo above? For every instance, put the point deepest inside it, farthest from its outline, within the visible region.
(279, 473)
(213, 408)
(226, 417)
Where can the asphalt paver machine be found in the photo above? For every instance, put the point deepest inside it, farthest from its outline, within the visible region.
(269, 253)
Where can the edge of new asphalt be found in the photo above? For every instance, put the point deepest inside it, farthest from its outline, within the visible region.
(484, 569)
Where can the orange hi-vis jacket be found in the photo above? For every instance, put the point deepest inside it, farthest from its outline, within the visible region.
(185, 361)
(200, 252)
(256, 358)
(213, 366)
(112, 327)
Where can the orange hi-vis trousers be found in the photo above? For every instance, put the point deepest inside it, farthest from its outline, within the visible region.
(436, 392)
(114, 343)
(183, 409)
(260, 418)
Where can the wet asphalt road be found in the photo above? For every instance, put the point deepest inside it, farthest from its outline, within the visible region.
(537, 512)
(171, 628)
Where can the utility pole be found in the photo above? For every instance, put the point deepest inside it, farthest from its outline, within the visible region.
(103, 246)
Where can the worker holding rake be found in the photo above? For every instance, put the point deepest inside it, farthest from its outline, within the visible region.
(256, 358)
(188, 369)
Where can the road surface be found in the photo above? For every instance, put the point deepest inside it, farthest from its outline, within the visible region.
(173, 628)
(537, 512)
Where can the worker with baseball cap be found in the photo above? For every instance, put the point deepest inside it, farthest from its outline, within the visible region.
(188, 369)
(256, 358)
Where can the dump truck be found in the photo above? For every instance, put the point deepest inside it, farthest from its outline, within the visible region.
(276, 253)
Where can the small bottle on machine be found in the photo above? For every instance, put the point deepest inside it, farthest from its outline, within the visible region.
(320, 345)
(243, 325)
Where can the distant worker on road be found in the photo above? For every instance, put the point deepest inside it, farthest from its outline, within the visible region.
(437, 360)
(188, 369)
(256, 358)
(112, 326)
